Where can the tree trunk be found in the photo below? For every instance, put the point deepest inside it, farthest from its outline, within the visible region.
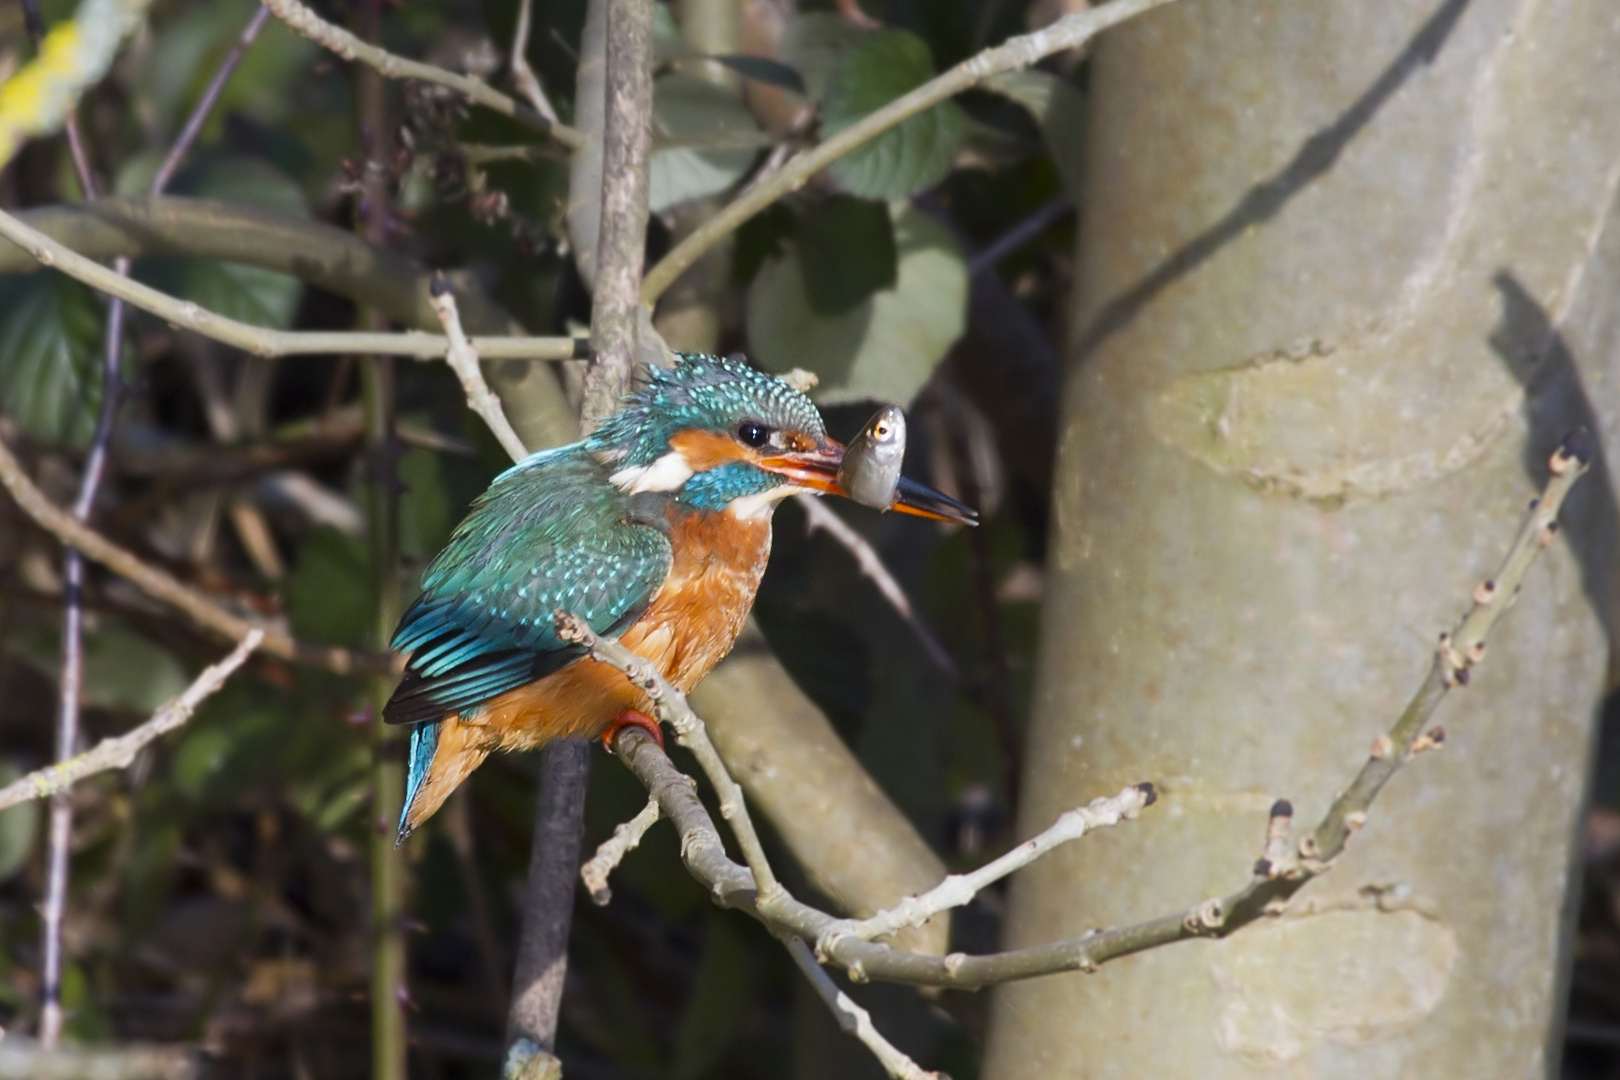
(1343, 271)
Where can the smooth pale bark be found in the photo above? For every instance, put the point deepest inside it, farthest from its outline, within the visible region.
(1326, 248)
(852, 842)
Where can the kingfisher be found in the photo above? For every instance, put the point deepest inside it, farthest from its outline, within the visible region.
(654, 529)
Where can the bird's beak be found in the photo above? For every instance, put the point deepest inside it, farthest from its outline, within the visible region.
(818, 469)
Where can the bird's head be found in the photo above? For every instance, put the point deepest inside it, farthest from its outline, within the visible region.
(719, 435)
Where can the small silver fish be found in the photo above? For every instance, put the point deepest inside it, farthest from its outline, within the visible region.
(870, 473)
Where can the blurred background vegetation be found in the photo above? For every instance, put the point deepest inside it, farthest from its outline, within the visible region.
(219, 890)
(220, 887)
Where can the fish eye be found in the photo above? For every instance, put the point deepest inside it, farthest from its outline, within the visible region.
(881, 431)
(752, 434)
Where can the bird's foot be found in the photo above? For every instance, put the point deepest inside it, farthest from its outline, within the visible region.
(632, 718)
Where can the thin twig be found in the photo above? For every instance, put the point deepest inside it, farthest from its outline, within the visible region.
(673, 709)
(70, 684)
(386, 950)
(854, 1020)
(458, 825)
(820, 516)
(336, 260)
(485, 154)
(522, 74)
(258, 340)
(1069, 32)
(338, 40)
(997, 697)
(119, 751)
(163, 586)
(959, 889)
(625, 839)
(22, 1060)
(70, 677)
(205, 104)
(1019, 234)
(463, 360)
(1276, 879)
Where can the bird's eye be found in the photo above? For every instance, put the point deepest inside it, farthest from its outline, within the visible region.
(752, 434)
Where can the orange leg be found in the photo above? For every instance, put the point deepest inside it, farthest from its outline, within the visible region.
(632, 718)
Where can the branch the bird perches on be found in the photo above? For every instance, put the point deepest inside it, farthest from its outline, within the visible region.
(1283, 868)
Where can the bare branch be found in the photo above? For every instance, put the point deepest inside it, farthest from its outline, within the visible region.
(205, 104)
(522, 74)
(1276, 878)
(959, 889)
(673, 709)
(625, 839)
(22, 1060)
(340, 261)
(346, 45)
(1069, 32)
(258, 340)
(118, 752)
(463, 360)
(163, 586)
(620, 249)
(855, 1020)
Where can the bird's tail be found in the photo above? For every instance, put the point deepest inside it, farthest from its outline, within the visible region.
(442, 754)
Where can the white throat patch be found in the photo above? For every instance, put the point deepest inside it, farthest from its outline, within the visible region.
(666, 474)
(761, 504)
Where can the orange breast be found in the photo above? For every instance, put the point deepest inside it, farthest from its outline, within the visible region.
(688, 628)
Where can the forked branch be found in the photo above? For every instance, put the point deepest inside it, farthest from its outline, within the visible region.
(340, 41)
(118, 751)
(1069, 32)
(1282, 870)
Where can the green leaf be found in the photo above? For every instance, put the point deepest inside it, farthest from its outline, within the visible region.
(884, 348)
(667, 41)
(248, 294)
(187, 50)
(18, 826)
(1059, 107)
(50, 356)
(123, 669)
(763, 236)
(202, 755)
(686, 109)
(425, 518)
(720, 997)
(915, 154)
(846, 250)
(327, 596)
(229, 754)
(813, 44)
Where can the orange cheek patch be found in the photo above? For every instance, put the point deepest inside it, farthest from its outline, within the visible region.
(704, 450)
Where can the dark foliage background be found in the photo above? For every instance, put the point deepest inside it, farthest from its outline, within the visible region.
(220, 887)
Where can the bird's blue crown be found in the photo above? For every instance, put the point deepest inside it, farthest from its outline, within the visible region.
(707, 393)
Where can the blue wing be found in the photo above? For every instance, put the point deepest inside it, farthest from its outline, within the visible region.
(550, 534)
